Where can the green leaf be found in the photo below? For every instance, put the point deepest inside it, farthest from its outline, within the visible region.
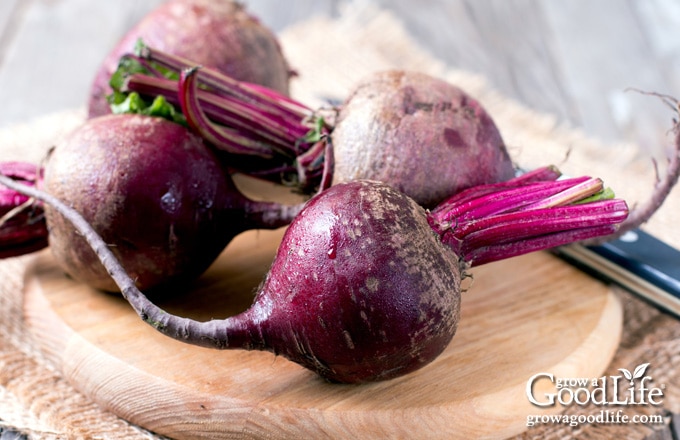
(127, 103)
(605, 194)
(126, 66)
(139, 47)
(316, 133)
(160, 107)
(122, 102)
(133, 103)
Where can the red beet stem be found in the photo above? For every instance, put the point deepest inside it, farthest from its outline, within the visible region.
(543, 174)
(222, 83)
(496, 252)
(497, 221)
(516, 226)
(291, 140)
(240, 118)
(224, 137)
(524, 196)
(269, 215)
(22, 221)
(223, 110)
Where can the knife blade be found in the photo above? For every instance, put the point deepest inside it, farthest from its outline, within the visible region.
(638, 262)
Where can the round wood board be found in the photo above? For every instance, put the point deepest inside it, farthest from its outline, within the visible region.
(520, 317)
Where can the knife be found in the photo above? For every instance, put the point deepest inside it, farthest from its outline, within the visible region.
(638, 262)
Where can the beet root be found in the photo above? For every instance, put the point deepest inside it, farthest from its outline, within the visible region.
(414, 131)
(375, 293)
(155, 193)
(219, 34)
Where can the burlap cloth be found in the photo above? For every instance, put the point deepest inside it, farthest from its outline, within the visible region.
(331, 56)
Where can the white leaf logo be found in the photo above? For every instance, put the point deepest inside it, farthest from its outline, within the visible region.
(626, 373)
(640, 370)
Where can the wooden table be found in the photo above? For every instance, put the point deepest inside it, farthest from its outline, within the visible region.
(573, 59)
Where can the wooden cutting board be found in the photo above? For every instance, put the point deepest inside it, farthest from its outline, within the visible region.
(520, 317)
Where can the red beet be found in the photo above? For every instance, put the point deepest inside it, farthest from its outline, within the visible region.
(362, 287)
(220, 34)
(155, 193)
(414, 131)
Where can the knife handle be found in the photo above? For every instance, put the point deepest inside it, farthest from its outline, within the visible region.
(639, 262)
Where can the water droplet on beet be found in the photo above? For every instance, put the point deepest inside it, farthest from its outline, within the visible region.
(332, 253)
(169, 202)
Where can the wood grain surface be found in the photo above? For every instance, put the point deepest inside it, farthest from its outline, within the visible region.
(520, 317)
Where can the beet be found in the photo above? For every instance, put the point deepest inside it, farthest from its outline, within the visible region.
(413, 131)
(155, 193)
(220, 34)
(373, 293)
(365, 285)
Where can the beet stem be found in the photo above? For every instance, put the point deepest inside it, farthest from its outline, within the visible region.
(271, 215)
(224, 138)
(572, 194)
(543, 174)
(497, 221)
(231, 111)
(528, 196)
(495, 252)
(224, 110)
(225, 84)
(22, 221)
(520, 225)
(238, 117)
